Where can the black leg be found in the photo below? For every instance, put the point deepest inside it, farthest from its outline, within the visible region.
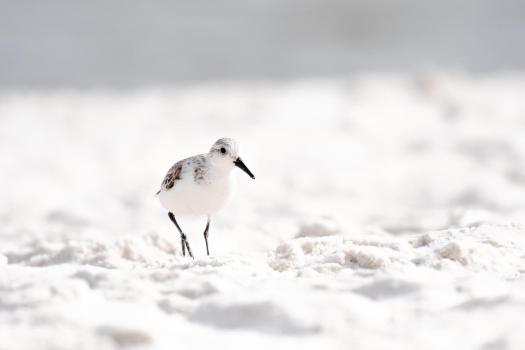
(206, 236)
(183, 240)
(188, 247)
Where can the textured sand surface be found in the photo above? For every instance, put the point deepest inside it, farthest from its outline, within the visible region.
(388, 212)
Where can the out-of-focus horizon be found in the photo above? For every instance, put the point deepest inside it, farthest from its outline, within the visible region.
(123, 44)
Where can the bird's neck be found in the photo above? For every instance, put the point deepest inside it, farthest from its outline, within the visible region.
(220, 167)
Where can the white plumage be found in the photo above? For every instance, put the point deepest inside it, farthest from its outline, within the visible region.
(201, 185)
(190, 196)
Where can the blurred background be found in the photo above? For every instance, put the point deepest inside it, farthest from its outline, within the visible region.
(95, 90)
(123, 44)
(382, 135)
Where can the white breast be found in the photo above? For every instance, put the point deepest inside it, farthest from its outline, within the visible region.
(206, 197)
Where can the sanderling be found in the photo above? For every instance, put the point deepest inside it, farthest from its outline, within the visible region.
(200, 185)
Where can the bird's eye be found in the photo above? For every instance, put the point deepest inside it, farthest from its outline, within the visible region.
(223, 150)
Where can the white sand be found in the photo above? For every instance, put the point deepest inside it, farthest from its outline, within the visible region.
(387, 213)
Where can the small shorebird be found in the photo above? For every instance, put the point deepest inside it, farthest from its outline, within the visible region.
(201, 185)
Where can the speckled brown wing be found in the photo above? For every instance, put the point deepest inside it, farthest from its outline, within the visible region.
(172, 176)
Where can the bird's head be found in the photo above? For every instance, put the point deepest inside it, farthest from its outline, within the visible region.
(225, 152)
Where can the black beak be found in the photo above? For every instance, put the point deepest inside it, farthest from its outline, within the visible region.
(239, 163)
